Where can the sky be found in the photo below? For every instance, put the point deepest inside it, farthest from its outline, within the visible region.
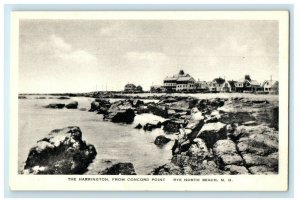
(60, 56)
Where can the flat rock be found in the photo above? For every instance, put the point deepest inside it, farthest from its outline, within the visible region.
(270, 161)
(224, 147)
(258, 140)
(212, 132)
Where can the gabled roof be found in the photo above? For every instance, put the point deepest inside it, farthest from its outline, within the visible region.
(275, 85)
(171, 78)
(269, 82)
(186, 78)
(254, 83)
(181, 76)
(241, 80)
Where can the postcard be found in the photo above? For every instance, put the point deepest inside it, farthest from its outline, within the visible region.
(149, 101)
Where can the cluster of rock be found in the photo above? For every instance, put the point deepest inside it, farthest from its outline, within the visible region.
(71, 105)
(234, 136)
(62, 152)
(118, 112)
(215, 136)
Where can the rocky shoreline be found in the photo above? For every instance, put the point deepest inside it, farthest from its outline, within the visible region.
(213, 136)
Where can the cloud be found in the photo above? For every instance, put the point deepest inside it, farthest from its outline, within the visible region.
(69, 57)
(59, 43)
(54, 65)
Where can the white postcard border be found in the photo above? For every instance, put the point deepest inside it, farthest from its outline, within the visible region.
(231, 183)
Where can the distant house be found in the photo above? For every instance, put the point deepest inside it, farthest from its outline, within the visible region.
(201, 86)
(219, 85)
(246, 84)
(270, 86)
(170, 84)
(232, 84)
(156, 89)
(131, 88)
(180, 82)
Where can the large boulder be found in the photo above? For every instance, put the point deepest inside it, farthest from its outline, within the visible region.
(161, 140)
(270, 161)
(94, 106)
(182, 105)
(208, 105)
(119, 169)
(194, 123)
(212, 132)
(122, 116)
(120, 105)
(120, 112)
(141, 109)
(213, 117)
(151, 126)
(100, 105)
(195, 118)
(258, 146)
(259, 140)
(62, 152)
(171, 126)
(55, 106)
(72, 105)
(137, 103)
(158, 110)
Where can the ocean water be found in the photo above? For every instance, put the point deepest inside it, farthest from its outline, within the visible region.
(114, 142)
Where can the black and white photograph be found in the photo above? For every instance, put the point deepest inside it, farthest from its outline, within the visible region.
(152, 97)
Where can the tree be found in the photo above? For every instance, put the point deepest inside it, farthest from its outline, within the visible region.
(139, 88)
(181, 72)
(247, 77)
